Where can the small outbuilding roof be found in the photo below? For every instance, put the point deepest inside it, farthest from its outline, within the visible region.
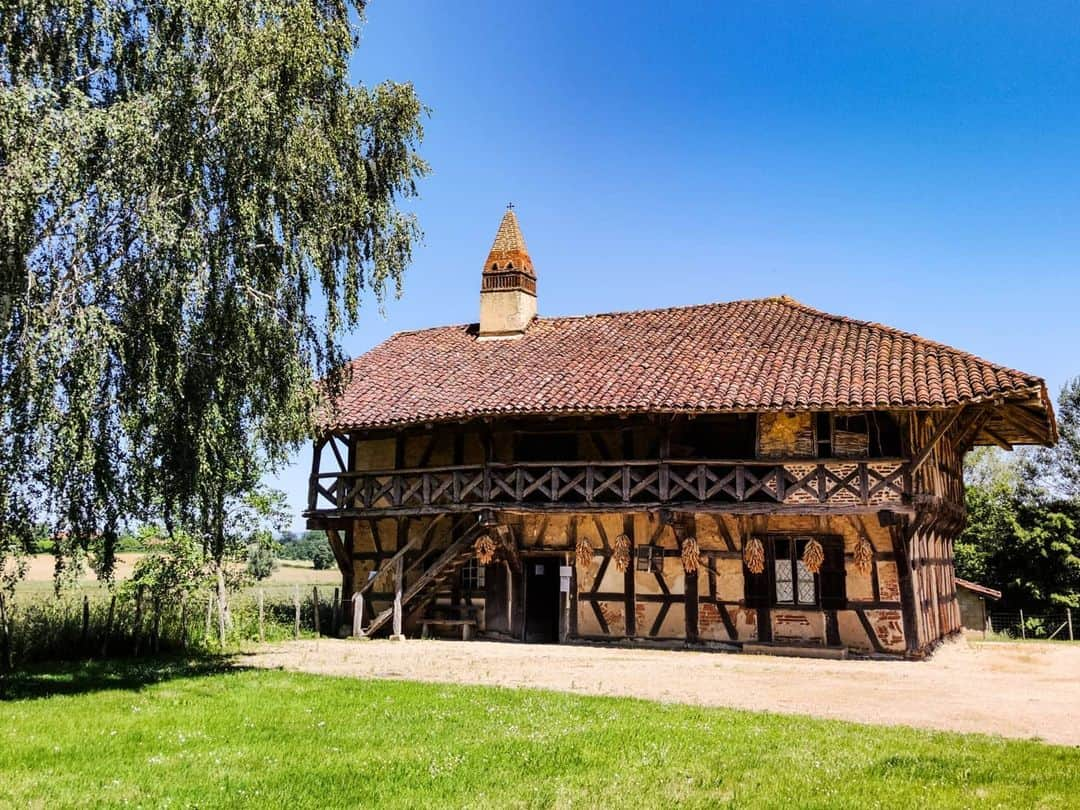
(974, 587)
(769, 354)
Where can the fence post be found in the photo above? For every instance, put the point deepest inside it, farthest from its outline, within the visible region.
(1068, 618)
(315, 605)
(108, 626)
(221, 606)
(1023, 630)
(209, 617)
(335, 616)
(262, 616)
(85, 638)
(155, 627)
(138, 618)
(5, 639)
(183, 620)
(296, 611)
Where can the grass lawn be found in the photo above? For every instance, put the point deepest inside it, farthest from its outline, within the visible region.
(196, 734)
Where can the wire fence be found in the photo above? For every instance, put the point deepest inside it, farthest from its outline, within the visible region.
(1054, 626)
(98, 623)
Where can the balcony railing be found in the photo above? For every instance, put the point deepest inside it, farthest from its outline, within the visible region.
(611, 485)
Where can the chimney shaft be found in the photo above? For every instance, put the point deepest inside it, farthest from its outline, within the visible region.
(508, 286)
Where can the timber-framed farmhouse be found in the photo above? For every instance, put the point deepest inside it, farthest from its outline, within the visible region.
(750, 473)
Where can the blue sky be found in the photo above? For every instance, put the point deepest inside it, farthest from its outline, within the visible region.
(916, 164)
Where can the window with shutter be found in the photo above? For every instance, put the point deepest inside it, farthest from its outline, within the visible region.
(832, 577)
(787, 582)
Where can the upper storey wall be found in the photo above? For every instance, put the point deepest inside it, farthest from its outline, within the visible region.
(767, 436)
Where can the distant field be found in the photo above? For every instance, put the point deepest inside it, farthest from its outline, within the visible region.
(94, 736)
(289, 572)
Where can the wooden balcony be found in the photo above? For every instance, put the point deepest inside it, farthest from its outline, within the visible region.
(797, 486)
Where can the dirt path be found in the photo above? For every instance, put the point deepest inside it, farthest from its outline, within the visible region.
(1016, 690)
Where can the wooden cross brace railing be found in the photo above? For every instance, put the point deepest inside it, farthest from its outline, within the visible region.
(608, 485)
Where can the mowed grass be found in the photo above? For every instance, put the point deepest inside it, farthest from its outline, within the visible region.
(186, 734)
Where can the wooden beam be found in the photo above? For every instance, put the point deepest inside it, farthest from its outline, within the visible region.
(936, 437)
(1024, 422)
(996, 439)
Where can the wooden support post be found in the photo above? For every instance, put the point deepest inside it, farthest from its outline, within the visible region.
(108, 626)
(1068, 618)
(296, 611)
(399, 575)
(335, 615)
(358, 615)
(315, 608)
(1023, 630)
(262, 617)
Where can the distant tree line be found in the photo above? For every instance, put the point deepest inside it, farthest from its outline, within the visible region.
(307, 546)
(1023, 532)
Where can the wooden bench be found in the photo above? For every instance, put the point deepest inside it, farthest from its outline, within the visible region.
(444, 616)
(468, 626)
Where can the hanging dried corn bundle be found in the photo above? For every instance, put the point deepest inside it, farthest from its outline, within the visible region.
(584, 552)
(691, 555)
(484, 548)
(864, 555)
(813, 556)
(621, 554)
(754, 556)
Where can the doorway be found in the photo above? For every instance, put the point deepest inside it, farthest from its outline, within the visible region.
(542, 599)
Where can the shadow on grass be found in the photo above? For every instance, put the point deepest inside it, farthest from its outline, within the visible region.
(76, 678)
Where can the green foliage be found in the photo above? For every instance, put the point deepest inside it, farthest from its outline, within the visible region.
(1023, 533)
(44, 627)
(311, 545)
(322, 560)
(193, 202)
(186, 735)
(261, 562)
(176, 565)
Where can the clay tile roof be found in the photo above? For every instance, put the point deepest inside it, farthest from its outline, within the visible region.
(770, 354)
(974, 587)
(509, 251)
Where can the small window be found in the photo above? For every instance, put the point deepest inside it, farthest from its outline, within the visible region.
(649, 559)
(793, 583)
(472, 576)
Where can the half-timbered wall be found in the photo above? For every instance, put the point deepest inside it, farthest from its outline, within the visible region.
(710, 606)
(904, 603)
(938, 488)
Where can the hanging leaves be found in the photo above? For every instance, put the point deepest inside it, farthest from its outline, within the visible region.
(691, 555)
(484, 549)
(584, 552)
(192, 204)
(754, 556)
(813, 556)
(864, 555)
(621, 552)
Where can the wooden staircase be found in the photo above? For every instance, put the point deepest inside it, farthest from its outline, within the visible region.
(427, 585)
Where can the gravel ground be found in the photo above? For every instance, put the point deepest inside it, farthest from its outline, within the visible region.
(1025, 690)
